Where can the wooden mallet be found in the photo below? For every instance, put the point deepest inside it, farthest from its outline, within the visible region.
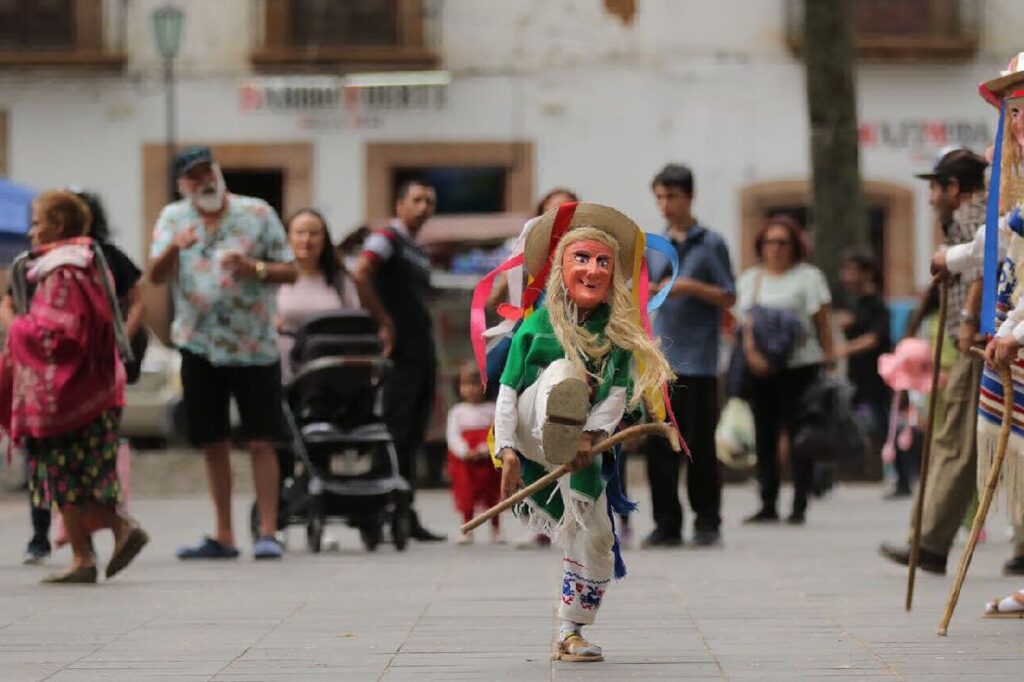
(926, 448)
(986, 497)
(656, 429)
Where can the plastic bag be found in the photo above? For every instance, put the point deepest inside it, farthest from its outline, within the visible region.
(734, 435)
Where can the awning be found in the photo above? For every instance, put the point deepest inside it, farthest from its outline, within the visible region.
(470, 229)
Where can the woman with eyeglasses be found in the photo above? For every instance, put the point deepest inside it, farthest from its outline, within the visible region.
(783, 281)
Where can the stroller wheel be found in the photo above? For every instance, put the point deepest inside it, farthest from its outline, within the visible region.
(400, 522)
(314, 533)
(371, 531)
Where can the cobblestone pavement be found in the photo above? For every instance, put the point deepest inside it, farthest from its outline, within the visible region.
(773, 603)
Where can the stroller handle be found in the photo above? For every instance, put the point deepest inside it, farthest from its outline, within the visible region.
(321, 364)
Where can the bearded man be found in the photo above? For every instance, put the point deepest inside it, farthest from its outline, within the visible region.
(223, 255)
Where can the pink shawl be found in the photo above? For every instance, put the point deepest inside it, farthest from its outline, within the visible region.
(60, 368)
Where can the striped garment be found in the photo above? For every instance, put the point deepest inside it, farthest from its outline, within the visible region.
(990, 403)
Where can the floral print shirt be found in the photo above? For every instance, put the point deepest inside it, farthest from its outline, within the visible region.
(226, 320)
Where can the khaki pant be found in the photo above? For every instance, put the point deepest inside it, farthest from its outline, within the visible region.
(952, 469)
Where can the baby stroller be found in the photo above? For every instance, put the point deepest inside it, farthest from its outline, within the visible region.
(340, 462)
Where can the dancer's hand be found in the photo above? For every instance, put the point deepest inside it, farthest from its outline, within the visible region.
(511, 476)
(1001, 351)
(584, 453)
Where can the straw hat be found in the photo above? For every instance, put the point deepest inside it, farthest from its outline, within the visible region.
(995, 90)
(536, 250)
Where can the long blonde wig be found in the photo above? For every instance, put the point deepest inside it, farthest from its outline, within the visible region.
(1012, 171)
(623, 330)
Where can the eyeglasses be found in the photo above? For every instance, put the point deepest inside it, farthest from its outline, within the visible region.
(777, 242)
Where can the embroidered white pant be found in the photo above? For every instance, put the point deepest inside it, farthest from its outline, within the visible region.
(588, 563)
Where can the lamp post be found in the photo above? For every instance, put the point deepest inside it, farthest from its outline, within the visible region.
(168, 22)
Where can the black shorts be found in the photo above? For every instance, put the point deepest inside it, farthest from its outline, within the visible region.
(208, 390)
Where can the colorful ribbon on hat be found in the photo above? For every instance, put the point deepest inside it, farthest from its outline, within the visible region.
(991, 272)
(661, 405)
(659, 244)
(477, 316)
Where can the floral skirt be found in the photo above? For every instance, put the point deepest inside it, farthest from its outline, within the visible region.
(76, 467)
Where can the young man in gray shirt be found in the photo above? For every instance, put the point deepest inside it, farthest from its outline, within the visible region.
(688, 324)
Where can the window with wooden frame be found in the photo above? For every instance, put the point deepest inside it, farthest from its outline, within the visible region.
(306, 34)
(905, 30)
(55, 33)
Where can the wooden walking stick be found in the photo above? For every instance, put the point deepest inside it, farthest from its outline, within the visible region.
(915, 543)
(657, 429)
(986, 497)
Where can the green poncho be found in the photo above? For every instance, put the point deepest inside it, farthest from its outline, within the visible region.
(534, 347)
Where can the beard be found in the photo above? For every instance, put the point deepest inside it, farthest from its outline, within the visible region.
(209, 198)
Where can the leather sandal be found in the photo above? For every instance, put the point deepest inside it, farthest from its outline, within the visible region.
(567, 407)
(575, 649)
(128, 550)
(83, 575)
(992, 608)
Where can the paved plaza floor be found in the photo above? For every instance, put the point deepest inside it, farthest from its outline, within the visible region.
(774, 603)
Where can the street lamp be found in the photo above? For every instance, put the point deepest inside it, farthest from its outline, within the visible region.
(168, 22)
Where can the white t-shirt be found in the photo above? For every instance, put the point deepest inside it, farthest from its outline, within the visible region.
(802, 290)
(464, 417)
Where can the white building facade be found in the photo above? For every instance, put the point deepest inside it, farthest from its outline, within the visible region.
(589, 94)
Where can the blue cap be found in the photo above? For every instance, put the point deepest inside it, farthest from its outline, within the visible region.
(188, 158)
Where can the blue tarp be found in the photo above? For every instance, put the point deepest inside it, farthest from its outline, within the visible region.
(15, 207)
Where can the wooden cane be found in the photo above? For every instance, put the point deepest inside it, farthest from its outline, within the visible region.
(986, 497)
(657, 429)
(926, 448)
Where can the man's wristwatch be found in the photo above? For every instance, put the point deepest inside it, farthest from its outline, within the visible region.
(967, 318)
(261, 271)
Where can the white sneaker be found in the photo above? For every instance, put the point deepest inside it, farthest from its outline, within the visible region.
(497, 538)
(464, 539)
